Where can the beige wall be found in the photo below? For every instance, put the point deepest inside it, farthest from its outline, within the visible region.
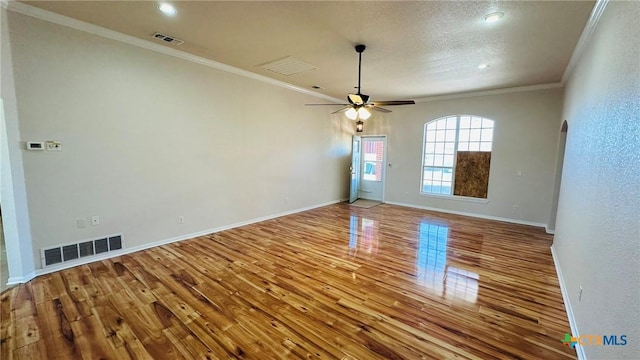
(597, 240)
(147, 138)
(525, 137)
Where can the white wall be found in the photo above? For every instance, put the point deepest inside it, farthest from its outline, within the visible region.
(147, 138)
(525, 137)
(597, 238)
(13, 198)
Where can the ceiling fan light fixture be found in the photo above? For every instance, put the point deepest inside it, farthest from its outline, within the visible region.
(359, 126)
(363, 113)
(351, 113)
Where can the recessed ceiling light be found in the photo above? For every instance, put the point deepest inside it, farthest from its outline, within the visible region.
(167, 9)
(483, 66)
(493, 17)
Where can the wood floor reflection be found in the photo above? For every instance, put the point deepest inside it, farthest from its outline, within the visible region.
(337, 282)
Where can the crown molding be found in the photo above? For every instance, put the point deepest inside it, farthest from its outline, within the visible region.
(491, 92)
(583, 41)
(49, 16)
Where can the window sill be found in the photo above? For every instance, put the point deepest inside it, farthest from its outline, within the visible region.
(456, 198)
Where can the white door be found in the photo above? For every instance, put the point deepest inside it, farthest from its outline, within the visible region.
(355, 169)
(372, 167)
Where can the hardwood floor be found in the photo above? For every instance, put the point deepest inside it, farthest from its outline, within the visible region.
(337, 282)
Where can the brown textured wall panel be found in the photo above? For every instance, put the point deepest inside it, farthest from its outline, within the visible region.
(472, 174)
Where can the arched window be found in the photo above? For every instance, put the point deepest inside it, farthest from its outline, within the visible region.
(457, 156)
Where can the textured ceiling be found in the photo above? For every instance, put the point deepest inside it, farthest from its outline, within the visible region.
(414, 49)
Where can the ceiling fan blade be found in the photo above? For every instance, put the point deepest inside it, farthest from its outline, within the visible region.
(375, 107)
(326, 104)
(393, 102)
(341, 110)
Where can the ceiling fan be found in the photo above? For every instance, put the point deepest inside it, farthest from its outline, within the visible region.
(359, 105)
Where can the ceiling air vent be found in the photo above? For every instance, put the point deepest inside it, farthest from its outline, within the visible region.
(288, 66)
(168, 39)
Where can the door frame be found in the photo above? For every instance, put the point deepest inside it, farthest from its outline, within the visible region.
(384, 161)
(354, 171)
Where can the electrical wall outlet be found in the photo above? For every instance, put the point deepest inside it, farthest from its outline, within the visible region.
(95, 220)
(180, 219)
(80, 223)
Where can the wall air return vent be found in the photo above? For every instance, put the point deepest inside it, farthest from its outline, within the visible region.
(52, 256)
(288, 66)
(168, 39)
(101, 246)
(86, 248)
(80, 251)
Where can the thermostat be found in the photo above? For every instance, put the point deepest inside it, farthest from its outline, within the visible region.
(34, 145)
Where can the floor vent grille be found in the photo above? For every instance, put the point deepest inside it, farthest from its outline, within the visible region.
(81, 250)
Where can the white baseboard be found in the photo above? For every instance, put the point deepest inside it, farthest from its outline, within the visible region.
(567, 305)
(480, 216)
(549, 231)
(21, 279)
(111, 254)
